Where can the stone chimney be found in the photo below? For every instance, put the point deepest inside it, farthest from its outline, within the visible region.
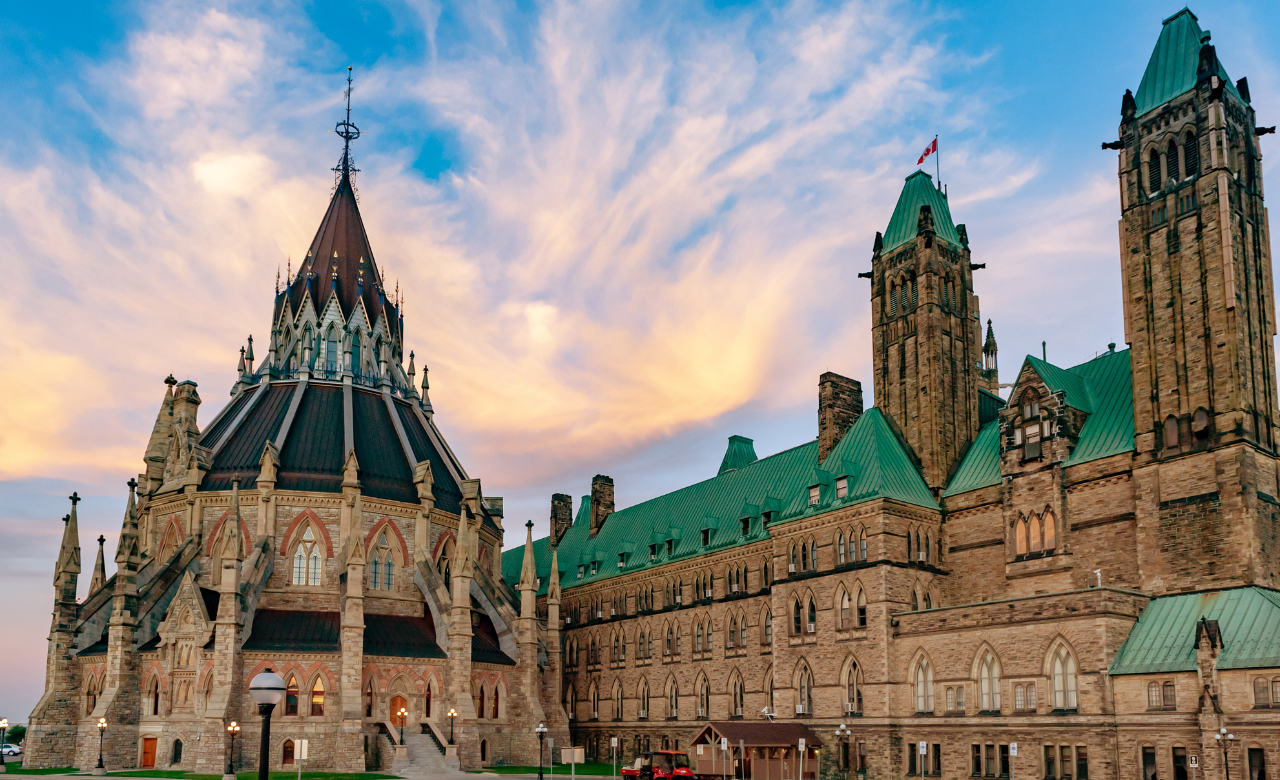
(602, 500)
(839, 407)
(561, 516)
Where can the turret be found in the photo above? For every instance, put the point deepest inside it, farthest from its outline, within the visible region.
(99, 568)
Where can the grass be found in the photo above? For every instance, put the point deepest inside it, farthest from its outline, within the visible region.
(150, 773)
(17, 769)
(562, 770)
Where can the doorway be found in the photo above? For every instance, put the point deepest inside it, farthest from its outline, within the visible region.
(398, 703)
(148, 752)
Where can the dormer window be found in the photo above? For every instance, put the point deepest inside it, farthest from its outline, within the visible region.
(653, 552)
(746, 525)
(622, 560)
(582, 570)
(671, 546)
(815, 494)
(706, 536)
(593, 568)
(1030, 429)
(842, 487)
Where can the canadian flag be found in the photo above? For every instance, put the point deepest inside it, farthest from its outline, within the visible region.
(928, 150)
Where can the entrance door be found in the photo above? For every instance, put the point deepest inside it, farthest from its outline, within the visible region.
(398, 703)
(149, 753)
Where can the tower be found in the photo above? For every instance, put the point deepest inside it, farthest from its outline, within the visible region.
(1199, 316)
(925, 331)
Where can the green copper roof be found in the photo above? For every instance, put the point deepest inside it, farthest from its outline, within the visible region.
(1163, 640)
(1171, 71)
(741, 452)
(981, 465)
(919, 191)
(869, 456)
(1102, 387)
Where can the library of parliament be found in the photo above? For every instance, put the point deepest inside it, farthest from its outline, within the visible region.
(1083, 561)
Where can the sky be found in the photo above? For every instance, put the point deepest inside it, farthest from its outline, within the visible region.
(624, 230)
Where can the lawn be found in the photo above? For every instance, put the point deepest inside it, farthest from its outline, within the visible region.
(16, 769)
(561, 770)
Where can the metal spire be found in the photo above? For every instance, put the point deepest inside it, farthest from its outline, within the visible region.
(349, 133)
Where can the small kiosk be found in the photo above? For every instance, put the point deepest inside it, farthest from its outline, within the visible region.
(756, 750)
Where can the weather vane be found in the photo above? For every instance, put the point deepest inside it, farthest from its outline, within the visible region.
(348, 132)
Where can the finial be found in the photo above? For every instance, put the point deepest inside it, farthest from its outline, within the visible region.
(133, 484)
(529, 525)
(348, 132)
(235, 479)
(288, 270)
(75, 498)
(101, 539)
(277, 278)
(66, 519)
(170, 381)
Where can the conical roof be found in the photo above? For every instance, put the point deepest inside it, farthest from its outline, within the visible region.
(340, 262)
(1171, 71)
(918, 191)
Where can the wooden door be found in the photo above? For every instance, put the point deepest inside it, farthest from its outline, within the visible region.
(398, 703)
(149, 753)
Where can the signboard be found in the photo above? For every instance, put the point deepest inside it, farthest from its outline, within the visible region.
(575, 755)
(1195, 761)
(924, 747)
(724, 743)
(699, 748)
(613, 741)
(302, 748)
(801, 743)
(1013, 748)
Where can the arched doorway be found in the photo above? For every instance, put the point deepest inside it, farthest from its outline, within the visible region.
(398, 703)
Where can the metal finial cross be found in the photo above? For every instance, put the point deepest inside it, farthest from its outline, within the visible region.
(133, 484)
(101, 540)
(348, 132)
(75, 498)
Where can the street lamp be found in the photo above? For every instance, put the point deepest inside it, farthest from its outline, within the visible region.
(233, 729)
(102, 729)
(4, 729)
(1225, 742)
(267, 690)
(842, 734)
(404, 715)
(452, 713)
(541, 731)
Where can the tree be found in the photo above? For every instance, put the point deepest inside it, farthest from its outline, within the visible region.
(15, 735)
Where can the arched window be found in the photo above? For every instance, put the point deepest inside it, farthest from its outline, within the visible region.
(697, 639)
(426, 705)
(382, 564)
(443, 564)
(733, 630)
(480, 701)
(813, 615)
(804, 557)
(673, 700)
(1050, 531)
(317, 697)
(704, 698)
(845, 605)
(368, 699)
(813, 554)
(306, 560)
(742, 630)
(90, 697)
(1037, 541)
(805, 705)
(862, 609)
(853, 690)
(1021, 534)
(617, 702)
(595, 702)
(642, 697)
(928, 549)
(840, 548)
(862, 545)
(893, 300)
(737, 697)
(331, 360)
(357, 367)
(1153, 171)
(768, 627)
(484, 750)
(989, 683)
(176, 755)
(494, 702)
(670, 645)
(154, 696)
(915, 601)
(1191, 155)
(1170, 432)
(915, 291)
(286, 752)
(1171, 162)
(1064, 680)
(1200, 424)
(924, 686)
(797, 619)
(640, 645)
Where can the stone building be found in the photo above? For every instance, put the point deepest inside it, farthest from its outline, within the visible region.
(318, 526)
(1089, 570)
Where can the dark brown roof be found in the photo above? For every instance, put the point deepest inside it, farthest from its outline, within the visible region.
(243, 452)
(294, 630)
(447, 493)
(401, 636)
(485, 647)
(339, 246)
(384, 472)
(761, 733)
(312, 458)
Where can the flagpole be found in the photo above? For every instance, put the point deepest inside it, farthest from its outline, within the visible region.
(937, 161)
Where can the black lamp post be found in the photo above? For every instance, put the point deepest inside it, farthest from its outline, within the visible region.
(4, 729)
(267, 690)
(453, 714)
(541, 731)
(842, 734)
(233, 729)
(404, 715)
(102, 729)
(1225, 740)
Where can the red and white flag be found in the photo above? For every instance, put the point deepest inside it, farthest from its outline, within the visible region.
(928, 150)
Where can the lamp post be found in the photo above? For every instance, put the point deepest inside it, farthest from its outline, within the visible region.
(541, 731)
(842, 734)
(4, 729)
(404, 715)
(452, 713)
(267, 690)
(1225, 740)
(233, 729)
(102, 729)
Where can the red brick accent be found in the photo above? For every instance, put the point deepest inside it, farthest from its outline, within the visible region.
(303, 516)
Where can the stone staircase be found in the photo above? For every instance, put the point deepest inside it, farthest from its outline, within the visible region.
(426, 756)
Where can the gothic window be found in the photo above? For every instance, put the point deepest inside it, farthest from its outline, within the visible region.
(1037, 542)
(797, 618)
(862, 545)
(805, 704)
(493, 704)
(617, 701)
(768, 627)
(697, 639)
(733, 630)
(737, 697)
(742, 630)
(1064, 680)
(813, 554)
(640, 646)
(670, 646)
(382, 565)
(1200, 424)
(153, 696)
(928, 549)
(595, 703)
(924, 686)
(1170, 432)
(443, 564)
(677, 639)
(844, 609)
(862, 609)
(306, 560)
(368, 699)
(286, 752)
(331, 352)
(915, 601)
(643, 698)
(1021, 533)
(90, 697)
(357, 367)
(1191, 155)
(914, 291)
(480, 701)
(176, 756)
(989, 683)
(893, 300)
(804, 557)
(813, 615)
(1171, 162)
(840, 548)
(946, 293)
(704, 698)
(852, 690)
(1024, 697)
(1153, 171)
(317, 697)
(673, 700)
(1050, 531)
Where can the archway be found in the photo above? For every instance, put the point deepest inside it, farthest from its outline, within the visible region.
(398, 703)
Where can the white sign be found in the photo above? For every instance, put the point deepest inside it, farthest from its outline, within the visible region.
(724, 743)
(1013, 748)
(302, 748)
(613, 741)
(802, 744)
(699, 748)
(1195, 761)
(924, 747)
(574, 755)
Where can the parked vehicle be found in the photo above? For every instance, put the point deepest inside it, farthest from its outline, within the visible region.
(660, 765)
(11, 750)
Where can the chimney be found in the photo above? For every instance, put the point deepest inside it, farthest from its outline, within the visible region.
(601, 501)
(561, 516)
(839, 407)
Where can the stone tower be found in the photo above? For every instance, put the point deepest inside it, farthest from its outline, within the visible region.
(926, 332)
(1200, 317)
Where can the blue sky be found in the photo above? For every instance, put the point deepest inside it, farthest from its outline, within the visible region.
(625, 230)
